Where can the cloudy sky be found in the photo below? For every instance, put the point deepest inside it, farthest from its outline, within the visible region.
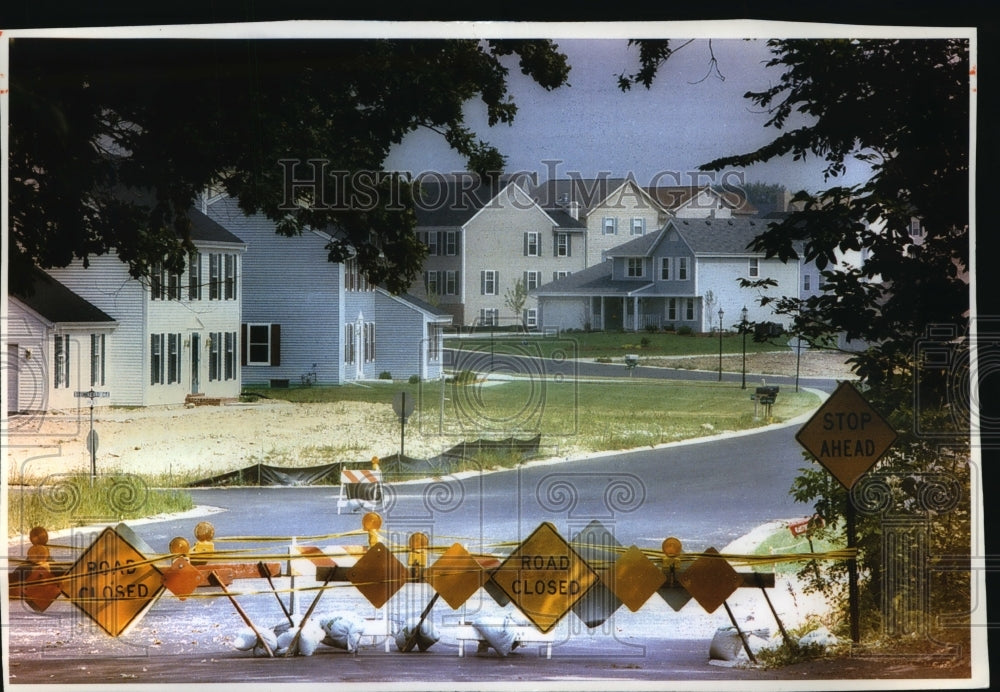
(692, 114)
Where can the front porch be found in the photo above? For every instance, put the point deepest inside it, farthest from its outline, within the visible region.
(638, 313)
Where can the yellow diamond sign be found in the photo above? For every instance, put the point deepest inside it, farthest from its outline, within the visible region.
(456, 575)
(544, 577)
(112, 583)
(378, 575)
(846, 435)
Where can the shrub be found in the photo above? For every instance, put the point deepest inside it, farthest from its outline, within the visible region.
(652, 328)
(685, 330)
(645, 342)
(385, 375)
(414, 379)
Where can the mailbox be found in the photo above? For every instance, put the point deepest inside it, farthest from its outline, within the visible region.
(631, 360)
(767, 395)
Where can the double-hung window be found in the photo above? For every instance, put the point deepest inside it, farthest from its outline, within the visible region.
(806, 282)
(229, 343)
(530, 317)
(156, 359)
(215, 356)
(682, 268)
(432, 243)
(451, 282)
(665, 269)
(451, 243)
(173, 358)
(60, 357)
(262, 344)
(563, 247)
(753, 270)
(194, 276)
(97, 344)
(638, 225)
(431, 282)
(633, 267)
(489, 317)
(531, 280)
(689, 309)
(610, 225)
(488, 282)
(671, 308)
(214, 276)
(230, 267)
(531, 244)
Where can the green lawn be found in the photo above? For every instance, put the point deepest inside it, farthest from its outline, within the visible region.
(586, 415)
(613, 344)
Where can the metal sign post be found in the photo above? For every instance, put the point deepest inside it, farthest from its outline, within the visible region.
(92, 440)
(847, 436)
(403, 406)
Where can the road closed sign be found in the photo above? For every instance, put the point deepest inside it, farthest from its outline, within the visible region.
(113, 583)
(544, 577)
(847, 435)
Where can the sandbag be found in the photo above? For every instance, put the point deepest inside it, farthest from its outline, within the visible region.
(498, 633)
(426, 636)
(343, 630)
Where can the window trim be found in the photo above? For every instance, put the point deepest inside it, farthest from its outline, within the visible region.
(156, 359)
(532, 280)
(641, 223)
(490, 280)
(61, 369)
(450, 243)
(753, 268)
(665, 268)
(194, 276)
(630, 268)
(451, 282)
(532, 244)
(98, 356)
(563, 245)
(215, 276)
(612, 222)
(682, 269)
(807, 282)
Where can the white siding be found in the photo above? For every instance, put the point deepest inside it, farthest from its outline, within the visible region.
(720, 276)
(564, 313)
(288, 281)
(106, 285)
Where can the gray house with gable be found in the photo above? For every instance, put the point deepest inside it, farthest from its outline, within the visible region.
(681, 275)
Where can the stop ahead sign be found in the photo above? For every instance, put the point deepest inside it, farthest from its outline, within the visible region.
(847, 435)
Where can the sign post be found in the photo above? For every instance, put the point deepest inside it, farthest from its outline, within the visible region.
(847, 436)
(403, 406)
(92, 440)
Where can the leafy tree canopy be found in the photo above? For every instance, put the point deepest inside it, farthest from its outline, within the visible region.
(91, 118)
(902, 106)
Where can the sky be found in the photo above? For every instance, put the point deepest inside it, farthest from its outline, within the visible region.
(691, 115)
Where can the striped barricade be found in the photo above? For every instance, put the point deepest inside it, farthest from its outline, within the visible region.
(360, 489)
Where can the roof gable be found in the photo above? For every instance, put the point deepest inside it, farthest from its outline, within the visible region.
(56, 303)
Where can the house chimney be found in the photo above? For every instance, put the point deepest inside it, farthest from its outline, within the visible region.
(574, 209)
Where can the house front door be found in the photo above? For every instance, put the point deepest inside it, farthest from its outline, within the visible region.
(195, 361)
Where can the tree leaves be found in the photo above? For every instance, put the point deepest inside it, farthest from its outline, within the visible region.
(90, 118)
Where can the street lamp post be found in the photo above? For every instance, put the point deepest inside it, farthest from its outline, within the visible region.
(720, 344)
(743, 328)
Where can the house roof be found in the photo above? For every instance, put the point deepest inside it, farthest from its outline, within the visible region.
(704, 236)
(593, 281)
(564, 221)
(452, 202)
(57, 304)
(207, 230)
(672, 197)
(589, 193)
(438, 313)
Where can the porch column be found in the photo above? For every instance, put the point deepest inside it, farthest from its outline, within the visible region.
(636, 312)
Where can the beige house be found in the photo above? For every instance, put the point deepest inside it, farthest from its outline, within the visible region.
(482, 239)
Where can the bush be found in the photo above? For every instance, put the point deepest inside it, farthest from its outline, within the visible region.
(645, 342)
(464, 377)
(414, 379)
(652, 328)
(685, 330)
(385, 375)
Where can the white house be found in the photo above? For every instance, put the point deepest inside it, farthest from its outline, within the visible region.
(306, 319)
(681, 275)
(145, 342)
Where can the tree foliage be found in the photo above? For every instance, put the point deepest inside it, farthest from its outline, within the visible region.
(515, 298)
(902, 107)
(91, 118)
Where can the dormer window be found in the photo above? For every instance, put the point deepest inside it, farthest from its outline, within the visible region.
(633, 267)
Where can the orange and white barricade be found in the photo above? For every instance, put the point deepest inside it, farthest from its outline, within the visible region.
(360, 489)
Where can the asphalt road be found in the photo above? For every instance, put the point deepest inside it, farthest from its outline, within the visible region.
(706, 494)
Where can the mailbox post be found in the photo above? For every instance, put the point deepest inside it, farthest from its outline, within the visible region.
(631, 360)
(764, 396)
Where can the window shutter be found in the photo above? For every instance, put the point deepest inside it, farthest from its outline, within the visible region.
(525, 244)
(569, 245)
(275, 344)
(555, 244)
(243, 344)
(482, 282)
(524, 278)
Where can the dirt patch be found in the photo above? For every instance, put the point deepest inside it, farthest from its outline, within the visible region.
(811, 363)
